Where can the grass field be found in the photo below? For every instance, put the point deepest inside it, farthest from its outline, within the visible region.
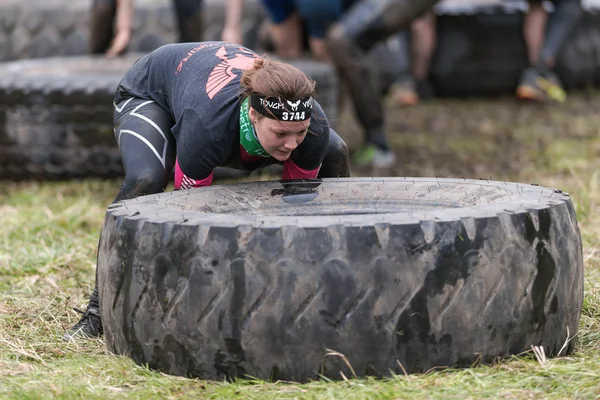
(50, 231)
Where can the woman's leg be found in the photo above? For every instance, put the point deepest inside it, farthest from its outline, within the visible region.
(143, 133)
(147, 147)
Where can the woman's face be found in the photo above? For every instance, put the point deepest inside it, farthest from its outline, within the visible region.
(278, 138)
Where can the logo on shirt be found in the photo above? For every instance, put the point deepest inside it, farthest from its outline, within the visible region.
(191, 53)
(225, 71)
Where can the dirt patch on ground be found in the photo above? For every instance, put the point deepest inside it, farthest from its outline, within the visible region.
(482, 138)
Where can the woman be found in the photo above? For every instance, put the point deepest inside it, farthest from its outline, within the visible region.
(289, 17)
(193, 107)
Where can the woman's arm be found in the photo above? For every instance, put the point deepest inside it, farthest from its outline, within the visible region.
(182, 181)
(200, 149)
(123, 23)
(292, 171)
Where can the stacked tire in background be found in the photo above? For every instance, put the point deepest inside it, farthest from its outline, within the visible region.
(56, 116)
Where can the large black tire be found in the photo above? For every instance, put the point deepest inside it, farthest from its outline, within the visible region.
(56, 116)
(263, 278)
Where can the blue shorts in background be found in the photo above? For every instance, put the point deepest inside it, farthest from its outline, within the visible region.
(279, 10)
(317, 15)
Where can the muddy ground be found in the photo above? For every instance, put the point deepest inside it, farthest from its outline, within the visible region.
(484, 137)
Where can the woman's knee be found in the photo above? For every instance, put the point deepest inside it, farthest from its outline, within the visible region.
(337, 145)
(141, 183)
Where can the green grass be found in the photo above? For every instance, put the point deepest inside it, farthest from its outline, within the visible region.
(49, 235)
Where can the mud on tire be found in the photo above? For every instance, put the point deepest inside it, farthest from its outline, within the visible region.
(261, 279)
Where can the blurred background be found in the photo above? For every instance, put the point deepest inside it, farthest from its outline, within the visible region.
(56, 83)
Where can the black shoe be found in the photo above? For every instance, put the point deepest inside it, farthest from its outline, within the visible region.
(88, 326)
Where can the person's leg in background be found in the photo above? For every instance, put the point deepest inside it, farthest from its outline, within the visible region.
(148, 156)
(366, 23)
(534, 25)
(318, 16)
(102, 21)
(392, 58)
(110, 27)
(105, 15)
(424, 40)
(544, 38)
(423, 45)
(285, 29)
(189, 19)
(402, 88)
(412, 86)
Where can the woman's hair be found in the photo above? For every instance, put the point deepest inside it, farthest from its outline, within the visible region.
(275, 79)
